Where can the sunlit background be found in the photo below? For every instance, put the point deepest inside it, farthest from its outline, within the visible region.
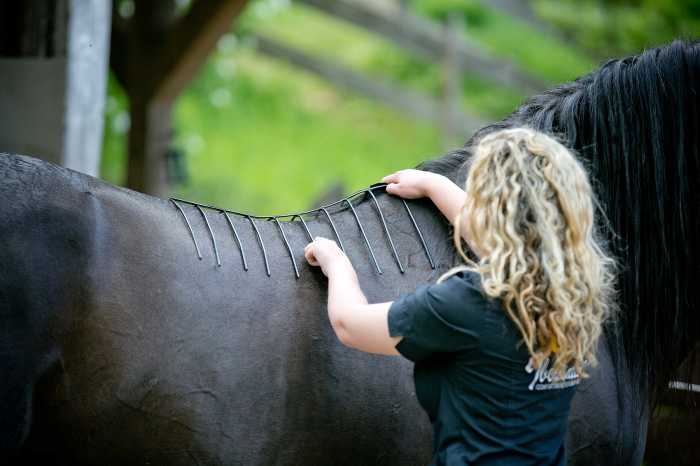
(257, 134)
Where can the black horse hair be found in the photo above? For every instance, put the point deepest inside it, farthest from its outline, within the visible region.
(635, 124)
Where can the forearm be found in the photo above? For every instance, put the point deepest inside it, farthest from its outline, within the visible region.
(344, 290)
(356, 323)
(344, 294)
(446, 195)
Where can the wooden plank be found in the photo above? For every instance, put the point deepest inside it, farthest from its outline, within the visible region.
(427, 40)
(190, 42)
(411, 102)
(522, 10)
(155, 55)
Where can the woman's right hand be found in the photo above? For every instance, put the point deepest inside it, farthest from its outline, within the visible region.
(410, 183)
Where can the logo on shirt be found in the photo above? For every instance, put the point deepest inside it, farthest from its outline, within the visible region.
(546, 379)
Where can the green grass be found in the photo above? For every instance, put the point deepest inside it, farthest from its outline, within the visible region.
(261, 136)
(287, 136)
(506, 37)
(284, 138)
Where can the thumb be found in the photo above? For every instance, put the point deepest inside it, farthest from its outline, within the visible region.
(392, 188)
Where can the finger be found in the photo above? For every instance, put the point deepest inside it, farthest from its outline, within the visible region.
(310, 257)
(392, 188)
(392, 178)
(322, 242)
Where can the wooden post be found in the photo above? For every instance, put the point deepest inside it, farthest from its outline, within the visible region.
(154, 56)
(149, 140)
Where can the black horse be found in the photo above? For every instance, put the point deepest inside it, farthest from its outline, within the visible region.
(142, 331)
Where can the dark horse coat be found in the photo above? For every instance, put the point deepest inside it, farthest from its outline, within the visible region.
(120, 346)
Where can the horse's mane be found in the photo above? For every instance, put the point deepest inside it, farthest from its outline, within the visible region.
(635, 124)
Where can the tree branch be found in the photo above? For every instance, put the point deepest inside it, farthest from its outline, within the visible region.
(189, 42)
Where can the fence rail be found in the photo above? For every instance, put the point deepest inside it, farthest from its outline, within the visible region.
(409, 101)
(426, 39)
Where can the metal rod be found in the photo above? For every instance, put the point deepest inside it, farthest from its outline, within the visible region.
(267, 217)
(306, 227)
(340, 243)
(189, 227)
(420, 235)
(238, 239)
(211, 233)
(262, 246)
(323, 209)
(362, 230)
(386, 230)
(289, 247)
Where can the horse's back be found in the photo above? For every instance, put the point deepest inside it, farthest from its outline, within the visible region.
(57, 230)
(44, 240)
(135, 350)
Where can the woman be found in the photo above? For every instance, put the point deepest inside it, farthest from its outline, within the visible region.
(500, 343)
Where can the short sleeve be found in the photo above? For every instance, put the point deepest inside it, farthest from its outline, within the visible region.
(437, 318)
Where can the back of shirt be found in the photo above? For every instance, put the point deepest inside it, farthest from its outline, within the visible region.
(475, 379)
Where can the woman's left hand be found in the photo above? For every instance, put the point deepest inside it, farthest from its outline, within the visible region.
(325, 253)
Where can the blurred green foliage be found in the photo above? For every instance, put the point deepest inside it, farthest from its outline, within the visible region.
(611, 28)
(261, 136)
(269, 138)
(473, 12)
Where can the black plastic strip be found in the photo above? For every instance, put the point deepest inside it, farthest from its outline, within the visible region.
(260, 241)
(289, 247)
(386, 230)
(323, 209)
(362, 230)
(268, 217)
(238, 239)
(306, 227)
(189, 227)
(420, 235)
(340, 243)
(211, 233)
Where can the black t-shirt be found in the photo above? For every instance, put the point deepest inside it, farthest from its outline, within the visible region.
(473, 377)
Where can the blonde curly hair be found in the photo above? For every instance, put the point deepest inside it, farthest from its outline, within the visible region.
(529, 214)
